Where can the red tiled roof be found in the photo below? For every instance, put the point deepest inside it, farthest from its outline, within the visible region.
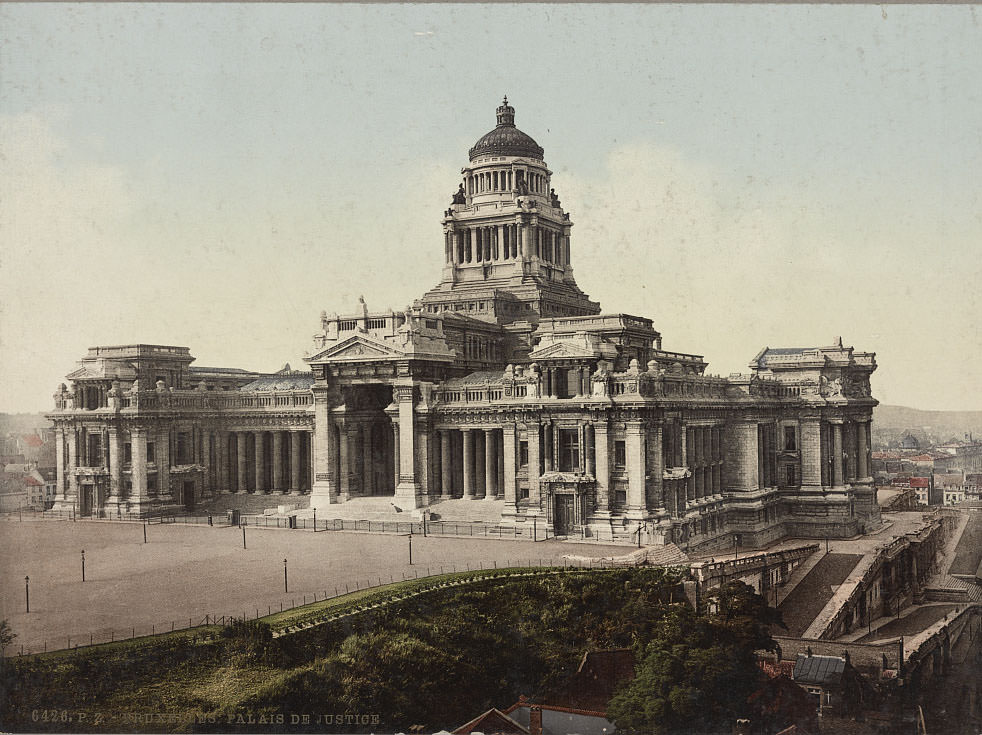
(28, 480)
(33, 440)
(920, 482)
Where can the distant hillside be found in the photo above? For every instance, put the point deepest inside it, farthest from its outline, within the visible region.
(891, 422)
(22, 423)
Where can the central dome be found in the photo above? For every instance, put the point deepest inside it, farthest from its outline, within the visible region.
(506, 139)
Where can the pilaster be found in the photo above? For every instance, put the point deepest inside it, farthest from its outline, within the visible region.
(408, 489)
(602, 465)
(324, 486)
(636, 466)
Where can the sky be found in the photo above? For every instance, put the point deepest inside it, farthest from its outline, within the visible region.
(216, 175)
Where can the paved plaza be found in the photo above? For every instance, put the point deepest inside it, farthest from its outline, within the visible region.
(187, 572)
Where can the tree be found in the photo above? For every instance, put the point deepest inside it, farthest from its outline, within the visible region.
(696, 672)
(6, 636)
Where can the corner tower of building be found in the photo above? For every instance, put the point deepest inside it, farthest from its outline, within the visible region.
(507, 253)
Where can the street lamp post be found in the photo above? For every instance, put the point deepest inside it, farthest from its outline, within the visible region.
(243, 537)
(286, 585)
(27, 592)
(83, 565)
(736, 546)
(410, 549)
(315, 520)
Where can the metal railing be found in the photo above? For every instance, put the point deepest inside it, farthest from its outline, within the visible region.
(483, 570)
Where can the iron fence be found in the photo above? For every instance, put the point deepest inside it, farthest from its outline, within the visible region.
(200, 623)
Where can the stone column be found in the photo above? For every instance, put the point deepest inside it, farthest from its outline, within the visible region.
(163, 466)
(260, 456)
(850, 443)
(601, 457)
(277, 461)
(324, 486)
(206, 460)
(509, 469)
(534, 468)
(480, 452)
(468, 437)
(367, 470)
(862, 450)
(241, 453)
(811, 453)
(490, 465)
(656, 462)
(636, 465)
(138, 468)
(220, 470)
(742, 458)
(445, 466)
(395, 453)
(295, 437)
(60, 470)
(837, 475)
(115, 465)
(408, 488)
(346, 458)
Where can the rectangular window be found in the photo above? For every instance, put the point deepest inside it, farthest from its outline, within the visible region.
(150, 453)
(569, 450)
(790, 439)
(792, 476)
(523, 454)
(620, 455)
(95, 450)
(524, 494)
(152, 482)
(183, 448)
(127, 452)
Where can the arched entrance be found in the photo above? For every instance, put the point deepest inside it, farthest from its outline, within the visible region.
(371, 441)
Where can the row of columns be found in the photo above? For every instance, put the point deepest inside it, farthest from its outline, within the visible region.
(483, 462)
(704, 457)
(834, 452)
(286, 461)
(505, 180)
(505, 242)
(561, 382)
(477, 463)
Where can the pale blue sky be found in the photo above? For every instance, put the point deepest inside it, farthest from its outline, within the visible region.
(215, 175)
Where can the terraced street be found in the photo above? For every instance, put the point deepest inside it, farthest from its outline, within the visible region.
(811, 595)
(968, 553)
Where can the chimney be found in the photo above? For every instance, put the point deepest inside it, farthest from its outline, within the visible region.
(535, 720)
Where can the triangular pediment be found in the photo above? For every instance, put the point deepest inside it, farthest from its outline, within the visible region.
(357, 347)
(83, 372)
(560, 350)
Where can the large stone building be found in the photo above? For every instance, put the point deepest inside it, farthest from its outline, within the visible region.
(503, 384)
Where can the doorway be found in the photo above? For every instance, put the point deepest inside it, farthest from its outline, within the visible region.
(564, 516)
(187, 494)
(86, 500)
